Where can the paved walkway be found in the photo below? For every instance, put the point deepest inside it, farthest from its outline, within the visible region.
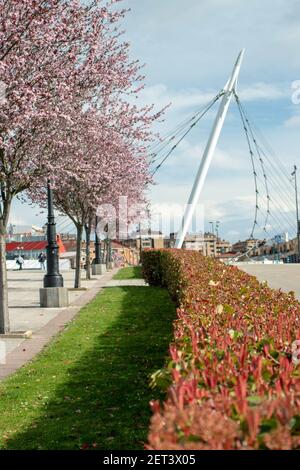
(26, 313)
(279, 276)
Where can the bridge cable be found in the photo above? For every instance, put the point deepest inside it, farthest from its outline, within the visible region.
(251, 153)
(270, 200)
(260, 161)
(174, 132)
(200, 116)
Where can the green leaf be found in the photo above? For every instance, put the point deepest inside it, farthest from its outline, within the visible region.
(254, 400)
(220, 354)
(274, 354)
(268, 425)
(228, 309)
(161, 379)
(295, 425)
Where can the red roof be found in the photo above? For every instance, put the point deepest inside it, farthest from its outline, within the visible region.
(26, 246)
(33, 246)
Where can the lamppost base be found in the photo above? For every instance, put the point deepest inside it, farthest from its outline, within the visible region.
(53, 280)
(98, 269)
(54, 297)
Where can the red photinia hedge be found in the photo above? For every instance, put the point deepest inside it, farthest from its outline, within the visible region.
(233, 383)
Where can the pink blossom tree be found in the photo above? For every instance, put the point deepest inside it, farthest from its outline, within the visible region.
(112, 164)
(56, 58)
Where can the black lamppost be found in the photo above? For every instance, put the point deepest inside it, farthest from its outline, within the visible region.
(97, 259)
(53, 278)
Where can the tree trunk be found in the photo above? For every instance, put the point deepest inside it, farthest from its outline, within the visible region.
(88, 250)
(4, 315)
(103, 257)
(77, 283)
(107, 252)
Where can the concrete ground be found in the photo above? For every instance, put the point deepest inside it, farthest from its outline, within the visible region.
(279, 276)
(26, 313)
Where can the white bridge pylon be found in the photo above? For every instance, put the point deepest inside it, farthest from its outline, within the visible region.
(228, 90)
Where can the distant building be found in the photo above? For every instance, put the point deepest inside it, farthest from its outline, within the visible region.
(154, 239)
(245, 245)
(214, 246)
(287, 251)
(223, 247)
(194, 242)
(208, 245)
(28, 249)
(122, 255)
(22, 232)
(28, 241)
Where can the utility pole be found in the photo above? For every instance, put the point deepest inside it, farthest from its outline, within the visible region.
(294, 174)
(213, 234)
(217, 235)
(217, 229)
(229, 89)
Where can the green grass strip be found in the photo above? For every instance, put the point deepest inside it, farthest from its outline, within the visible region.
(132, 272)
(89, 387)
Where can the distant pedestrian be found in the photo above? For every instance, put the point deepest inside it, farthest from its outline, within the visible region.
(20, 261)
(42, 260)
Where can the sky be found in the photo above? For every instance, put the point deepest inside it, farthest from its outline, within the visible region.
(189, 49)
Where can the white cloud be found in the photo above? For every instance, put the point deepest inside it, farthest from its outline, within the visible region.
(293, 121)
(262, 91)
(187, 157)
(161, 95)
